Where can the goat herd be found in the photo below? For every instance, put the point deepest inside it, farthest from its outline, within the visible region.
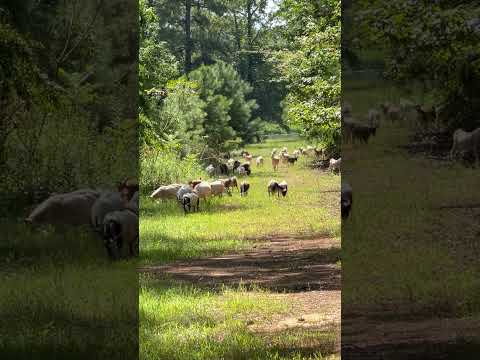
(464, 143)
(113, 215)
(189, 195)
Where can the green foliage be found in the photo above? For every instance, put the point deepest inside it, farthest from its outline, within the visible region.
(236, 32)
(311, 68)
(432, 42)
(229, 112)
(163, 166)
(273, 129)
(66, 86)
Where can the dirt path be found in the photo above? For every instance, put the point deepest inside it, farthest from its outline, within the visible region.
(302, 272)
(367, 338)
(278, 264)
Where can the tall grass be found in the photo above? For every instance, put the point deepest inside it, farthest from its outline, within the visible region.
(163, 166)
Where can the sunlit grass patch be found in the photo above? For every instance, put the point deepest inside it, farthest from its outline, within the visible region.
(184, 322)
(224, 224)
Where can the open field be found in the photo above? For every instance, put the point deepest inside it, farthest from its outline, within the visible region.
(168, 235)
(245, 278)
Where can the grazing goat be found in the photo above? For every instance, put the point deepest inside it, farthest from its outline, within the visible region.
(362, 132)
(292, 159)
(346, 199)
(223, 168)
(275, 162)
(244, 187)
(241, 171)
(210, 169)
(335, 165)
(391, 112)
(232, 165)
(185, 189)
(120, 227)
(72, 208)
(275, 187)
(108, 202)
(272, 187)
(218, 187)
(259, 161)
(284, 157)
(282, 188)
(166, 192)
(246, 166)
(466, 142)
(248, 157)
(203, 190)
(230, 183)
(190, 202)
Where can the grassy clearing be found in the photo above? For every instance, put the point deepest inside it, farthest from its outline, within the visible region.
(62, 298)
(188, 323)
(179, 322)
(397, 249)
(225, 224)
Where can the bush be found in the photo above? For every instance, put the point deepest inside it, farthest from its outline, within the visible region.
(164, 165)
(50, 157)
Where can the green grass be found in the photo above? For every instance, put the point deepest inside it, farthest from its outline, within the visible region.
(179, 322)
(227, 223)
(397, 250)
(186, 322)
(62, 298)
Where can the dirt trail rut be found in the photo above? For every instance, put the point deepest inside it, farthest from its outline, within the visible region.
(279, 264)
(302, 272)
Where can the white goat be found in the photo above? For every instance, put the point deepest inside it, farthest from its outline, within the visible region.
(465, 142)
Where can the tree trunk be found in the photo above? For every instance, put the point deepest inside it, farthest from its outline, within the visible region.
(250, 14)
(188, 36)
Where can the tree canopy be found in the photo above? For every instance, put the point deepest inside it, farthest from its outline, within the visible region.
(236, 70)
(435, 43)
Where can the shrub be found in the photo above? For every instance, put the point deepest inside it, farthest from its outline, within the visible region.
(164, 165)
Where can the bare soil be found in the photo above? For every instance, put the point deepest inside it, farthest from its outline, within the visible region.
(367, 338)
(279, 264)
(302, 272)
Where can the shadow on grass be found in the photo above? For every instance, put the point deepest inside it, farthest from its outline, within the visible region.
(174, 209)
(61, 296)
(280, 270)
(71, 343)
(462, 349)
